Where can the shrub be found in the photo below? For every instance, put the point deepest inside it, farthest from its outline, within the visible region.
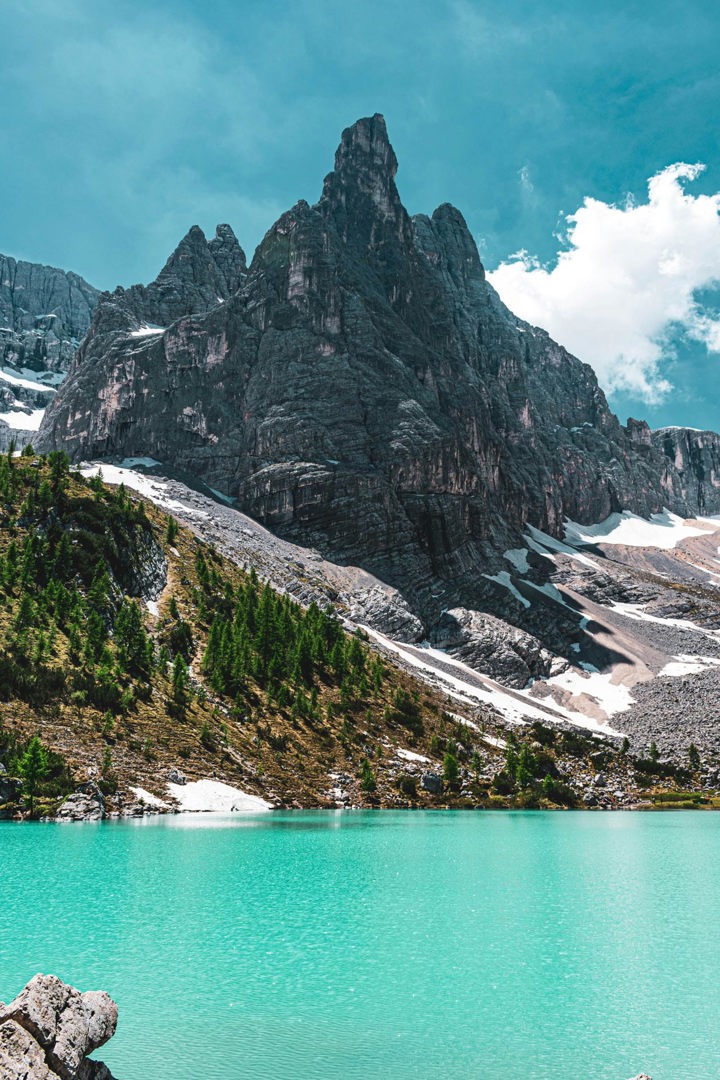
(407, 785)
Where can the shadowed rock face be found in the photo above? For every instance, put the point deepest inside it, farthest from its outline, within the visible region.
(49, 1029)
(365, 392)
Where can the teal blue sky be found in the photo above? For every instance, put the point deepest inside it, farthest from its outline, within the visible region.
(125, 122)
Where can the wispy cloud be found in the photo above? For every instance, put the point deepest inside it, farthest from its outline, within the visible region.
(628, 283)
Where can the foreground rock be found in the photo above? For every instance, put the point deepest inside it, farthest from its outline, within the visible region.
(49, 1029)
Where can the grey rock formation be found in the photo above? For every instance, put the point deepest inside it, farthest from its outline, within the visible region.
(490, 644)
(365, 392)
(432, 783)
(49, 1029)
(85, 804)
(10, 789)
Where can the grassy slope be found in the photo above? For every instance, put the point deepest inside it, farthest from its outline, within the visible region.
(251, 740)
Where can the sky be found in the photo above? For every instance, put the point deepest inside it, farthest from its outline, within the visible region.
(578, 139)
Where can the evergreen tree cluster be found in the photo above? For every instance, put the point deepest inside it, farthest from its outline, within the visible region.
(66, 624)
(259, 636)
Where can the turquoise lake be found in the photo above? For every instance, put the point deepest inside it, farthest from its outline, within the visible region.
(511, 946)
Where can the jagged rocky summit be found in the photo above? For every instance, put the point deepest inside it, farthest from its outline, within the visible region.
(362, 389)
(49, 1029)
(45, 313)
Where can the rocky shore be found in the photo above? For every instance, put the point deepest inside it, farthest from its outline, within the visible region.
(50, 1028)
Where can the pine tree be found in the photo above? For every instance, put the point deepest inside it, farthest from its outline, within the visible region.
(367, 776)
(180, 682)
(32, 768)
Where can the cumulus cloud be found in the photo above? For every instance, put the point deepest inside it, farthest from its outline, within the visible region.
(628, 283)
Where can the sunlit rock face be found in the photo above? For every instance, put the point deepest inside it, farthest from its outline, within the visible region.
(361, 389)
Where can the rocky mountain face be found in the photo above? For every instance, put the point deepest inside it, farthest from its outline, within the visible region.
(692, 465)
(44, 314)
(366, 392)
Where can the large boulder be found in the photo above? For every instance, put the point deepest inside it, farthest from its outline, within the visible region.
(10, 788)
(85, 804)
(49, 1029)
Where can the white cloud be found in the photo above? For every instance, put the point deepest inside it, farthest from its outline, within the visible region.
(627, 283)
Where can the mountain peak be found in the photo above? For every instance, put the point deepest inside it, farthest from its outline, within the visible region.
(365, 148)
(360, 194)
(229, 257)
(192, 246)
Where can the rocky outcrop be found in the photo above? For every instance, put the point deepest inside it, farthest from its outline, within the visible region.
(85, 804)
(365, 393)
(10, 787)
(49, 1029)
(489, 644)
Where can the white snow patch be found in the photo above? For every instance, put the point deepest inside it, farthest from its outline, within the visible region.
(518, 558)
(689, 665)
(43, 379)
(150, 799)
(27, 384)
(611, 697)
(152, 607)
(552, 592)
(222, 497)
(150, 486)
(409, 755)
(665, 531)
(635, 611)
(517, 707)
(147, 330)
(212, 796)
(543, 544)
(22, 421)
(503, 578)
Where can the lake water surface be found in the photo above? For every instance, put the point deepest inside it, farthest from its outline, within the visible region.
(511, 946)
